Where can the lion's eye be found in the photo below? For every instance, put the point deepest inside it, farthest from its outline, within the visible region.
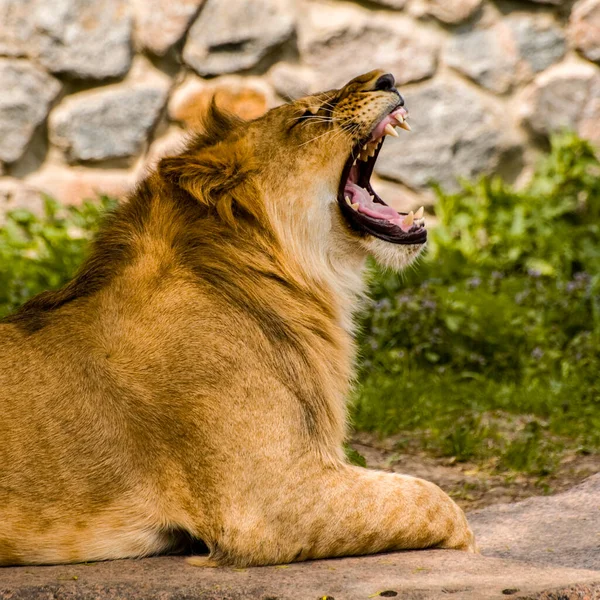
(307, 114)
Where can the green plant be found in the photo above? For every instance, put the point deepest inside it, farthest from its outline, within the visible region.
(40, 253)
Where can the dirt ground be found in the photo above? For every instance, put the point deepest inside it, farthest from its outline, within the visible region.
(471, 485)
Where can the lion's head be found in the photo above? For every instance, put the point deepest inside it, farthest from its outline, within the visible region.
(305, 168)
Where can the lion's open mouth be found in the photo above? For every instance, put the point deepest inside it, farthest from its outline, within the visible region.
(364, 210)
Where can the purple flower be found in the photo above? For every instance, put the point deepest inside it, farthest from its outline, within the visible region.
(384, 304)
(537, 353)
(520, 297)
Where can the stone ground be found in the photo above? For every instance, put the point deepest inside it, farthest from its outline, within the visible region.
(545, 548)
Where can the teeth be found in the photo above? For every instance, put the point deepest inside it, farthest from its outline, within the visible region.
(347, 199)
(354, 163)
(404, 125)
(355, 206)
(366, 147)
(389, 130)
(419, 214)
(409, 219)
(372, 151)
(364, 156)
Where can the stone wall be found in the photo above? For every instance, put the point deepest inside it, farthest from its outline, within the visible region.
(92, 92)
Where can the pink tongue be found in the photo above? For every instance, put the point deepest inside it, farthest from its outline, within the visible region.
(366, 204)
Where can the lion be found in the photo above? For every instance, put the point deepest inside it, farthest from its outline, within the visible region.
(191, 381)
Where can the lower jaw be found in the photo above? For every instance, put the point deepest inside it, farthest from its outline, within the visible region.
(380, 229)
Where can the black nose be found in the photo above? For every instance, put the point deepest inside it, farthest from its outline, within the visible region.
(385, 83)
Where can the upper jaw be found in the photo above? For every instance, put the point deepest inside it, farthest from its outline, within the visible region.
(364, 210)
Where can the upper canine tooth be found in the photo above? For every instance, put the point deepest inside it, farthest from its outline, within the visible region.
(365, 146)
(399, 118)
(419, 214)
(404, 125)
(389, 130)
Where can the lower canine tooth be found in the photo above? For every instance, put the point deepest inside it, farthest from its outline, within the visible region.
(355, 206)
(409, 219)
(389, 130)
(419, 214)
(347, 199)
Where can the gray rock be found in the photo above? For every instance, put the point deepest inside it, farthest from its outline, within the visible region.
(556, 530)
(234, 35)
(589, 124)
(159, 24)
(452, 11)
(16, 27)
(539, 43)
(84, 38)
(113, 122)
(417, 575)
(341, 41)
(397, 4)
(454, 134)
(487, 56)
(564, 97)
(584, 28)
(15, 194)
(292, 80)
(27, 92)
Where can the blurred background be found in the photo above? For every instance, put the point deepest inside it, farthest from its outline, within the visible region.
(95, 90)
(479, 368)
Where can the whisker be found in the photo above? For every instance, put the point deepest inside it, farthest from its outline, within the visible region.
(320, 136)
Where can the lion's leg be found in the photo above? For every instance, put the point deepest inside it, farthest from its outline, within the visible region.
(341, 512)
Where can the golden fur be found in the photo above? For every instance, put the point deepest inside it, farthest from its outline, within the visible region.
(191, 381)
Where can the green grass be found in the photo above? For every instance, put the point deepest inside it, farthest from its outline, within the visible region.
(488, 351)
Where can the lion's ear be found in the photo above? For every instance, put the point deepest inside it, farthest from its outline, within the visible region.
(220, 177)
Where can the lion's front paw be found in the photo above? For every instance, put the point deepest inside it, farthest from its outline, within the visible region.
(469, 544)
(461, 537)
